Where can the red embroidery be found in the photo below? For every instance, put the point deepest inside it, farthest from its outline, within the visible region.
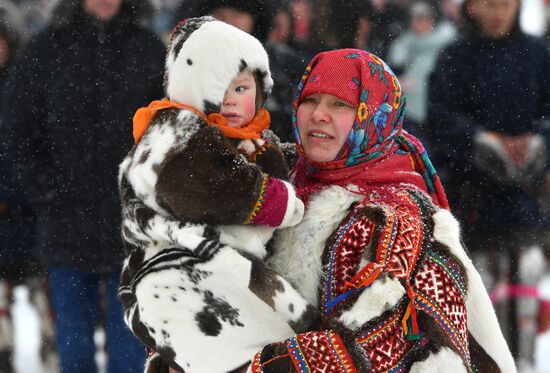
(385, 344)
(352, 247)
(440, 293)
(321, 351)
(400, 243)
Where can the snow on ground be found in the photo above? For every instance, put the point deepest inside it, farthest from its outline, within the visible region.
(26, 325)
(27, 337)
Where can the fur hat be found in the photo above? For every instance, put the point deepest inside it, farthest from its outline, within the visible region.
(204, 56)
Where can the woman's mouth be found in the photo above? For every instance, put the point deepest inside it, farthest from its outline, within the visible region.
(319, 135)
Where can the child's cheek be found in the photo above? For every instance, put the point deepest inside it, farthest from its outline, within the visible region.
(250, 106)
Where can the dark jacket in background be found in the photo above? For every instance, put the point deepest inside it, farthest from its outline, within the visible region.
(483, 85)
(67, 125)
(16, 218)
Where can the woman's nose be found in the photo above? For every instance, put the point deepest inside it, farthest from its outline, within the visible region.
(320, 114)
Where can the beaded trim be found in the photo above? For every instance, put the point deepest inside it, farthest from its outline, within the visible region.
(259, 151)
(330, 290)
(451, 269)
(256, 366)
(259, 202)
(297, 356)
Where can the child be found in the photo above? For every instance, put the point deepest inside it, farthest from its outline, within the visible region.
(190, 198)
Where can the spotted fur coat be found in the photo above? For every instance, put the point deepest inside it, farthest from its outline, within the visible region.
(186, 191)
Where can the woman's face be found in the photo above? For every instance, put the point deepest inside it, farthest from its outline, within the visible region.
(324, 122)
(104, 10)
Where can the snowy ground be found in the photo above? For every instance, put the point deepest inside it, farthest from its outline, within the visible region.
(27, 338)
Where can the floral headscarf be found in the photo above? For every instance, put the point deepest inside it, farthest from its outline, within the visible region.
(364, 80)
(377, 134)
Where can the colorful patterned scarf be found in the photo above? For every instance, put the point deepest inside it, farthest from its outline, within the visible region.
(377, 150)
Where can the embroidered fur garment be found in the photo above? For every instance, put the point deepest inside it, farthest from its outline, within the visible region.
(417, 246)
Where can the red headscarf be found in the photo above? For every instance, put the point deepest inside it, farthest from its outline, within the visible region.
(377, 151)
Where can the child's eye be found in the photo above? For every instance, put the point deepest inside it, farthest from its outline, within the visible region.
(240, 89)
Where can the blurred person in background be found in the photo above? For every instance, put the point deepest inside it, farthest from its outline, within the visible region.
(18, 263)
(388, 21)
(287, 57)
(16, 220)
(252, 16)
(488, 117)
(413, 55)
(450, 15)
(35, 14)
(340, 24)
(68, 105)
(301, 13)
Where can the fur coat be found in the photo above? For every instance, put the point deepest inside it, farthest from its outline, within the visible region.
(341, 240)
(186, 191)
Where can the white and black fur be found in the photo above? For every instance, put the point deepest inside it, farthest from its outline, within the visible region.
(179, 226)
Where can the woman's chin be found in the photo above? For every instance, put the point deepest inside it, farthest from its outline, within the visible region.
(319, 155)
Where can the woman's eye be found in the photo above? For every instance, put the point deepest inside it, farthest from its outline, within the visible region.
(344, 104)
(309, 100)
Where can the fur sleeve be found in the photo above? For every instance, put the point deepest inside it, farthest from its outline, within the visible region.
(208, 181)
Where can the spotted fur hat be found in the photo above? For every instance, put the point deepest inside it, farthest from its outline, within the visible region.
(204, 55)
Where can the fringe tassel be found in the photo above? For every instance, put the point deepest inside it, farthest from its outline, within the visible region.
(410, 322)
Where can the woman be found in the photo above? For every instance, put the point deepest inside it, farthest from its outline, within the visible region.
(378, 252)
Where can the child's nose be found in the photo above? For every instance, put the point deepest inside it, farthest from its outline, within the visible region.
(228, 100)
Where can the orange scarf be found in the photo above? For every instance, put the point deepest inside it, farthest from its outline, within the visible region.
(252, 130)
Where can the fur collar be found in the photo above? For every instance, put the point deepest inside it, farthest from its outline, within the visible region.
(299, 250)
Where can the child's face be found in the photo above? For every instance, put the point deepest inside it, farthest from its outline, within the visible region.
(239, 101)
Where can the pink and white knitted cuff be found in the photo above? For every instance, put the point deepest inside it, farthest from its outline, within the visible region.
(272, 203)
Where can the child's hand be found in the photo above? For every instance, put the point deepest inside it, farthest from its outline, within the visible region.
(249, 146)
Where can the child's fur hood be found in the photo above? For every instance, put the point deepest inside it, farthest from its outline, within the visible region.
(204, 56)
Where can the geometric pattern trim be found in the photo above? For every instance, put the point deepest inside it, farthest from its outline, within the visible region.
(321, 351)
(440, 292)
(386, 345)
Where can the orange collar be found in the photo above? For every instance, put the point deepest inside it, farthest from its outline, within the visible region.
(252, 130)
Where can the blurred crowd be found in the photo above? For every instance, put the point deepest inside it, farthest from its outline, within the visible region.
(476, 75)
